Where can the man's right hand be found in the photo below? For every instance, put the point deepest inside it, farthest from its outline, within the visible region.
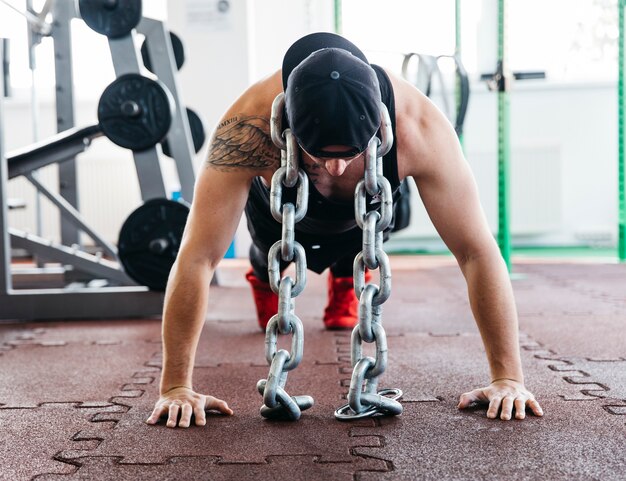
(179, 403)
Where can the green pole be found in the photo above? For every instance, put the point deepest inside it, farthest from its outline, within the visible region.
(504, 150)
(457, 52)
(338, 18)
(621, 229)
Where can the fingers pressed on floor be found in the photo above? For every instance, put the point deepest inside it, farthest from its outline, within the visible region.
(223, 407)
(465, 400)
(217, 404)
(200, 415)
(535, 407)
(471, 397)
(172, 419)
(185, 417)
(156, 414)
(494, 407)
(507, 407)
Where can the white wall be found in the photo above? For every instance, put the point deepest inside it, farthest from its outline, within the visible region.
(229, 51)
(226, 52)
(276, 24)
(217, 66)
(563, 165)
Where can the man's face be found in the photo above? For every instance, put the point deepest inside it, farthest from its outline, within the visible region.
(335, 165)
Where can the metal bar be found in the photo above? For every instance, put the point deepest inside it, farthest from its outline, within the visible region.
(31, 18)
(83, 303)
(5, 246)
(73, 215)
(55, 154)
(149, 174)
(457, 54)
(179, 136)
(125, 57)
(6, 62)
(81, 261)
(36, 271)
(504, 234)
(338, 17)
(34, 38)
(38, 277)
(621, 227)
(504, 150)
(63, 12)
(457, 27)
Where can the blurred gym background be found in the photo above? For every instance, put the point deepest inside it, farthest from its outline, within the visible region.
(563, 127)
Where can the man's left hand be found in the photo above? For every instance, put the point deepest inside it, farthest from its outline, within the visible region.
(503, 395)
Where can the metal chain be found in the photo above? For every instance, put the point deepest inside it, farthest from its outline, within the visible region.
(277, 404)
(363, 398)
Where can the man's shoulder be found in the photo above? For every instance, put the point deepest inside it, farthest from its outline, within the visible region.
(258, 97)
(242, 142)
(411, 111)
(421, 128)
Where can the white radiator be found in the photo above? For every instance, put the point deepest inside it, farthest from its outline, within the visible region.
(108, 192)
(536, 192)
(107, 188)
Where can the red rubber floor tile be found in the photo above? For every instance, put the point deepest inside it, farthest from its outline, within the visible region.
(30, 439)
(573, 350)
(85, 372)
(296, 468)
(244, 437)
(431, 442)
(87, 332)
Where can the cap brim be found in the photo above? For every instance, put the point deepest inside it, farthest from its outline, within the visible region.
(313, 42)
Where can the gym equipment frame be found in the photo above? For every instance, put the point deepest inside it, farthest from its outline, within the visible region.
(66, 303)
(110, 293)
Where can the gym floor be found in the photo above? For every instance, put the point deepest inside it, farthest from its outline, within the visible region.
(75, 394)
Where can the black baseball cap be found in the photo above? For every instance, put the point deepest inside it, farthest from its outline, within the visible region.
(332, 95)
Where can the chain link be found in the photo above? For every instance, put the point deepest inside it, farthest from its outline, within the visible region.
(277, 404)
(363, 398)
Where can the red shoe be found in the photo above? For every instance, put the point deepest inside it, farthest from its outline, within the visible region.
(342, 311)
(264, 298)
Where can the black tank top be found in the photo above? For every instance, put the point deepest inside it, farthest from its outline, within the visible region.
(326, 216)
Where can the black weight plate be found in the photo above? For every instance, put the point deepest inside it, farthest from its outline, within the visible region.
(135, 112)
(197, 133)
(113, 18)
(150, 239)
(177, 47)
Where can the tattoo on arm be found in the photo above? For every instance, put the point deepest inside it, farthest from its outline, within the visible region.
(243, 142)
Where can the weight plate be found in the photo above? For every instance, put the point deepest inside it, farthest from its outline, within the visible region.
(197, 133)
(113, 18)
(150, 239)
(177, 47)
(135, 112)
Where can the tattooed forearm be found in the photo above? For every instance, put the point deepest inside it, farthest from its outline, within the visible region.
(243, 142)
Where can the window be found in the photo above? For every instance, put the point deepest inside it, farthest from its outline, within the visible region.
(570, 41)
(93, 68)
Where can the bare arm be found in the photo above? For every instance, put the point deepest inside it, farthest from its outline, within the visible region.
(448, 190)
(240, 150)
(450, 196)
